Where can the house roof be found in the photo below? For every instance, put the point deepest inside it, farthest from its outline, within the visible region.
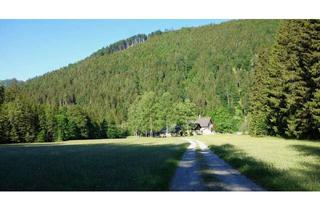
(204, 121)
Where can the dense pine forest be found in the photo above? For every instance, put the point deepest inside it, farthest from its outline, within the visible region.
(285, 94)
(255, 75)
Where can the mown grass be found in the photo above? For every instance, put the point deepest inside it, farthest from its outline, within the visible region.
(274, 163)
(138, 164)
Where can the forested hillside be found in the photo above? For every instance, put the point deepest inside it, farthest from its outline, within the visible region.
(209, 65)
(141, 85)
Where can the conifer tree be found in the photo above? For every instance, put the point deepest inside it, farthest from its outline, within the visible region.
(297, 54)
(292, 82)
(258, 95)
(1, 94)
(311, 58)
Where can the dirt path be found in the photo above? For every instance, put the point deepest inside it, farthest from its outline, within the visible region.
(230, 179)
(188, 176)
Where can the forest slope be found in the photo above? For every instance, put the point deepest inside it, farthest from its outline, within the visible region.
(210, 65)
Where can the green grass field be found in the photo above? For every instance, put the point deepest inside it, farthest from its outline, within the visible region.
(138, 164)
(274, 163)
(127, 164)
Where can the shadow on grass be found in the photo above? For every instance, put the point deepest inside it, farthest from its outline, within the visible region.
(260, 172)
(308, 150)
(310, 169)
(91, 167)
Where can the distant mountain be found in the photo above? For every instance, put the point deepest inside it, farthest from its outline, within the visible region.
(210, 65)
(8, 82)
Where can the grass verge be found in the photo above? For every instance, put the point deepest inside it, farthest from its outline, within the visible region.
(274, 163)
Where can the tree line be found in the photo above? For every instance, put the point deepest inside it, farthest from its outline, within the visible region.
(22, 121)
(285, 92)
(126, 43)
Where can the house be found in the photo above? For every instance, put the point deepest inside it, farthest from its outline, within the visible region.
(201, 126)
(204, 125)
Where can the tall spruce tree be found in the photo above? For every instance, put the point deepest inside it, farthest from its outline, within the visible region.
(292, 83)
(297, 44)
(258, 109)
(311, 58)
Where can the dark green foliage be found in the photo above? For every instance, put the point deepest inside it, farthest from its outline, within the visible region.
(297, 57)
(80, 123)
(103, 129)
(114, 131)
(258, 95)
(123, 44)
(4, 126)
(290, 89)
(147, 83)
(1, 95)
(314, 105)
(65, 130)
(224, 120)
(21, 120)
(229, 71)
(208, 65)
(47, 123)
(167, 80)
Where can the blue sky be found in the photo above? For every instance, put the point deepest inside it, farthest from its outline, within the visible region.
(30, 48)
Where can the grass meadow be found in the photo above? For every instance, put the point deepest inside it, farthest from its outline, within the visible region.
(138, 164)
(274, 163)
(148, 164)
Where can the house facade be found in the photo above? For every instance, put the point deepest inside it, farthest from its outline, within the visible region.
(204, 125)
